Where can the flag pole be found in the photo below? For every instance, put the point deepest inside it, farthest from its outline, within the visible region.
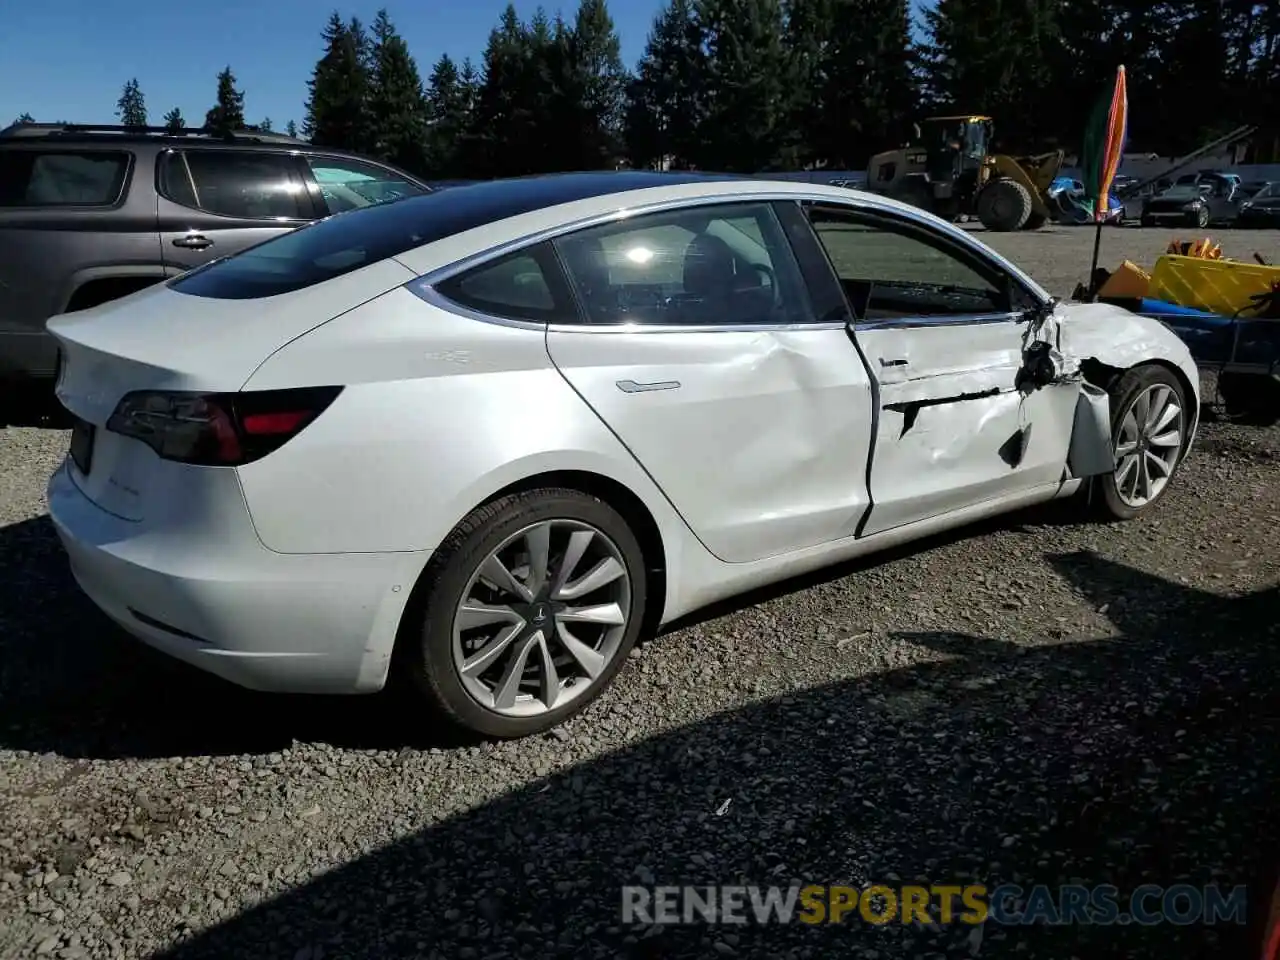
(1093, 266)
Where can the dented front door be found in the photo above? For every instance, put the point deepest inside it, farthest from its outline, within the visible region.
(942, 332)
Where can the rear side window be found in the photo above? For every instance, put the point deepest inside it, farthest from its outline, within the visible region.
(63, 178)
(245, 185)
(312, 254)
(525, 285)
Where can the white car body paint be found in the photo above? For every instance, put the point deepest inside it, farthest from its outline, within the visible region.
(293, 572)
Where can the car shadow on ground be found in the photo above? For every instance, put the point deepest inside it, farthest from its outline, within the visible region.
(1148, 758)
(31, 405)
(76, 685)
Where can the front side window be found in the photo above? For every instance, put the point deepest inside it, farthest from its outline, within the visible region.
(62, 178)
(246, 185)
(717, 265)
(350, 184)
(891, 270)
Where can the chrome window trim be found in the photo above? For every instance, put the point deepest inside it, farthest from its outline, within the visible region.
(424, 285)
(939, 320)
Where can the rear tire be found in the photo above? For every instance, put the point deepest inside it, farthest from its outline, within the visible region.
(1004, 205)
(1149, 428)
(917, 193)
(512, 636)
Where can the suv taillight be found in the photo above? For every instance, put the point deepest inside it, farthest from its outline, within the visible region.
(218, 429)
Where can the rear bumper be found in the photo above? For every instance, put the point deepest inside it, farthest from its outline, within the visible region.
(27, 355)
(219, 600)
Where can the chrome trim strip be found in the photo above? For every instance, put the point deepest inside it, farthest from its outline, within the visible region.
(433, 296)
(948, 320)
(855, 199)
(643, 328)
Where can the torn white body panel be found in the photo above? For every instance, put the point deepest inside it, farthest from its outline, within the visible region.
(954, 428)
(760, 439)
(1092, 452)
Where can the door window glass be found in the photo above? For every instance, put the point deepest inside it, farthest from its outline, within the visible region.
(721, 265)
(350, 184)
(245, 185)
(892, 270)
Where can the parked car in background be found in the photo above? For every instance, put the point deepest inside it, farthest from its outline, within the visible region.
(89, 214)
(1262, 209)
(1196, 200)
(482, 439)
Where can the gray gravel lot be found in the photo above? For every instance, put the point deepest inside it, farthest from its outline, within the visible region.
(1037, 700)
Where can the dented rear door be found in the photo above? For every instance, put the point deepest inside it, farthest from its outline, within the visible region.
(942, 331)
(756, 423)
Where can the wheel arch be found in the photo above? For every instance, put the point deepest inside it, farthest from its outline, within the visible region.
(616, 494)
(1104, 375)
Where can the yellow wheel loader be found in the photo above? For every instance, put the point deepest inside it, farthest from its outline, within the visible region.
(950, 171)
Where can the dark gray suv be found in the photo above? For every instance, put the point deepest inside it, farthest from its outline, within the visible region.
(89, 214)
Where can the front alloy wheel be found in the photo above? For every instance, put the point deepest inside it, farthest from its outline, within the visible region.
(1149, 431)
(529, 609)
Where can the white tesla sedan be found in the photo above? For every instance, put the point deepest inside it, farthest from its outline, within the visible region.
(485, 437)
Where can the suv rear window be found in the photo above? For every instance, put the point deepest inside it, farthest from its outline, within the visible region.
(61, 178)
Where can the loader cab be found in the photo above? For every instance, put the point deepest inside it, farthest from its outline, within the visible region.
(956, 149)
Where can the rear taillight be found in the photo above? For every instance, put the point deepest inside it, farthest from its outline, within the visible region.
(218, 429)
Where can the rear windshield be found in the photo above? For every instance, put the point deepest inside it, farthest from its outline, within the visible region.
(312, 254)
(63, 178)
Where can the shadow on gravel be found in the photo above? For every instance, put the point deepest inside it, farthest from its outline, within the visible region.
(74, 684)
(1146, 759)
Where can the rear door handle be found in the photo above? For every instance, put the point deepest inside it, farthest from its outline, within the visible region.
(193, 242)
(630, 386)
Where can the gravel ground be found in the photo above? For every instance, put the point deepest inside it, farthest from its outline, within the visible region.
(1037, 700)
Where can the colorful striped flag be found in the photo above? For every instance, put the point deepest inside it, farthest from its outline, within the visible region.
(1104, 142)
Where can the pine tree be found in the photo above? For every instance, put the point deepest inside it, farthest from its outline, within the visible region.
(265, 125)
(983, 57)
(25, 118)
(503, 141)
(227, 115)
(337, 113)
(291, 129)
(398, 109)
(863, 87)
(131, 108)
(173, 121)
(747, 77)
(666, 101)
(590, 88)
(447, 118)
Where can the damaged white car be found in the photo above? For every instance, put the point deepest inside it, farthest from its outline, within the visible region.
(483, 438)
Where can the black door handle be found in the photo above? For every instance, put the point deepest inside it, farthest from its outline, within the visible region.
(193, 242)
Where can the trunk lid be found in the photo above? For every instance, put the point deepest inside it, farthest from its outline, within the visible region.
(158, 339)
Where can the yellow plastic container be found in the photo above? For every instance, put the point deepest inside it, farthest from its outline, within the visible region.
(1129, 281)
(1219, 286)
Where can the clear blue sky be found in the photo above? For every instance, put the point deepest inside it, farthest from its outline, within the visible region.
(68, 59)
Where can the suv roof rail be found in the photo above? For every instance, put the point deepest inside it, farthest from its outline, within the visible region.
(81, 129)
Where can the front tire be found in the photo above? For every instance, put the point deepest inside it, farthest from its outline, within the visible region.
(529, 610)
(1150, 424)
(1004, 205)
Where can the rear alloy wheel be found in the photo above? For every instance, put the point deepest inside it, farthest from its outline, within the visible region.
(531, 607)
(1149, 426)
